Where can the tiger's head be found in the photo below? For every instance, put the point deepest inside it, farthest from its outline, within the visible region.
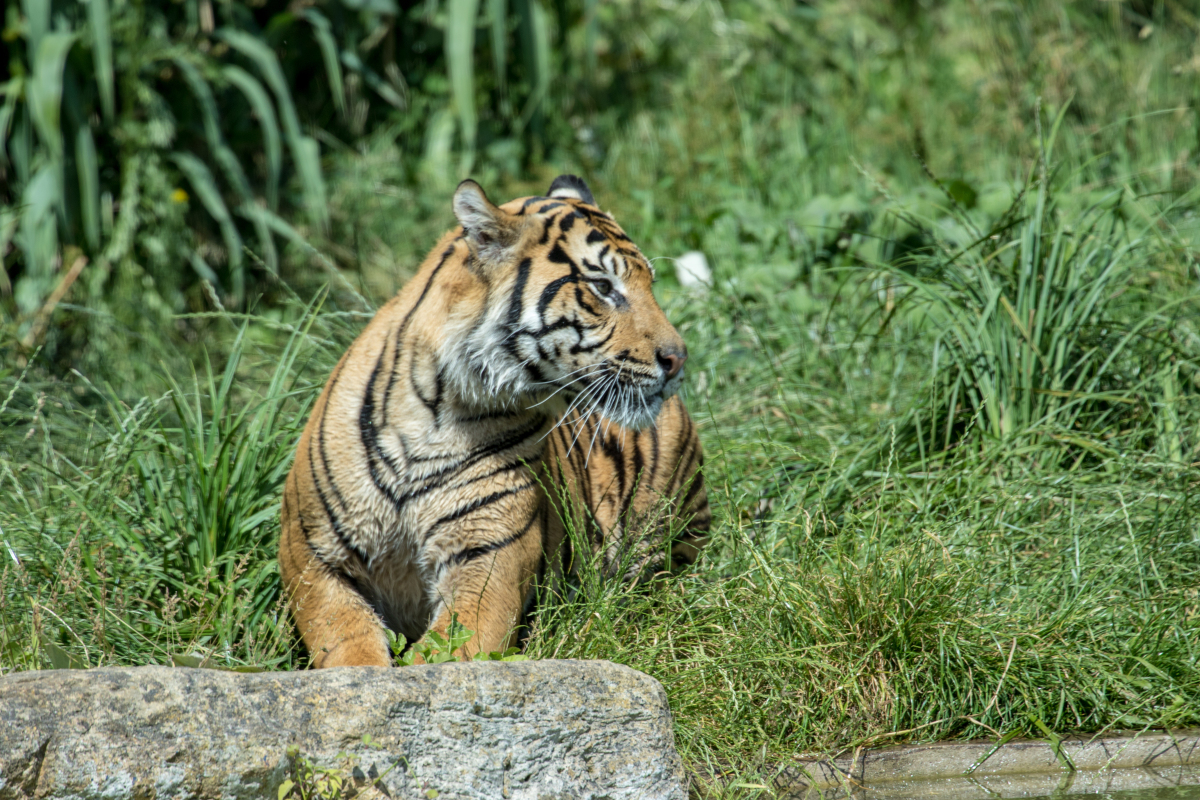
(569, 318)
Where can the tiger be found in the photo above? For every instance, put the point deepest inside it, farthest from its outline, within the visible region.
(454, 445)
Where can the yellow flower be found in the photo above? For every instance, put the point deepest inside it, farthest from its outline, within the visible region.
(179, 196)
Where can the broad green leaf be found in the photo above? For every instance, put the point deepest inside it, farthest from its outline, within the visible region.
(20, 146)
(535, 44)
(498, 11)
(457, 634)
(37, 21)
(261, 104)
(303, 149)
(102, 58)
(460, 60)
(268, 64)
(212, 128)
(38, 238)
(45, 89)
(89, 184)
(308, 164)
(277, 223)
(262, 229)
(8, 226)
(9, 218)
(202, 268)
(60, 658)
(190, 662)
(12, 90)
(205, 187)
(329, 53)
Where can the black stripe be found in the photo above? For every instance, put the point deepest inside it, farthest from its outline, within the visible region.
(565, 322)
(579, 299)
(475, 505)
(333, 381)
(490, 415)
(515, 307)
(403, 327)
(334, 523)
(579, 347)
(472, 553)
(531, 595)
(639, 478)
(432, 404)
(655, 454)
(693, 490)
(695, 452)
(439, 479)
(551, 290)
(589, 424)
(611, 448)
(559, 256)
(369, 434)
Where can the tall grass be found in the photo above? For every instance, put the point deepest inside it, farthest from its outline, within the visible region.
(916, 618)
(139, 534)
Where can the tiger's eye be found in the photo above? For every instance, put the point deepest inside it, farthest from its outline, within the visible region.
(603, 287)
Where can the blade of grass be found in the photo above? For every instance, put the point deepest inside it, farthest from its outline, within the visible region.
(305, 151)
(89, 185)
(102, 55)
(461, 20)
(262, 107)
(205, 187)
(323, 33)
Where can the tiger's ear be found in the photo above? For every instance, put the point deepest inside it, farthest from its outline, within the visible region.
(571, 186)
(491, 231)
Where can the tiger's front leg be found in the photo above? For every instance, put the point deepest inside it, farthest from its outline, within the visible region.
(485, 578)
(339, 627)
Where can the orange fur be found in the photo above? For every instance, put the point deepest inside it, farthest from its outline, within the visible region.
(416, 494)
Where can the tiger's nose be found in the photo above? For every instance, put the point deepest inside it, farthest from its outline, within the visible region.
(671, 359)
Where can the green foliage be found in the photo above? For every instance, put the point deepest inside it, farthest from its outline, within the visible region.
(946, 375)
(184, 487)
(123, 114)
(311, 781)
(1030, 326)
(434, 648)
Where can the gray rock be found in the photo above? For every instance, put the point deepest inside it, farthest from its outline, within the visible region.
(538, 729)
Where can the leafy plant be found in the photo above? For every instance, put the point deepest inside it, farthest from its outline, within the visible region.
(434, 648)
(153, 157)
(311, 781)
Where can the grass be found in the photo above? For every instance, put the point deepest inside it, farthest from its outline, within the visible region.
(948, 398)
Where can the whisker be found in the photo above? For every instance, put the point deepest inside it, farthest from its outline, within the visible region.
(588, 414)
(564, 386)
(616, 380)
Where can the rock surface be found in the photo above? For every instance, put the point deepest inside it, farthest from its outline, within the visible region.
(1021, 768)
(539, 729)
